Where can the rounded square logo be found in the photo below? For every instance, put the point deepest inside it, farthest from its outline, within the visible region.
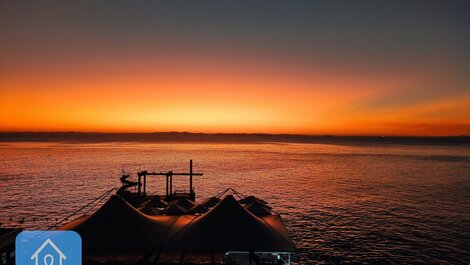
(48, 248)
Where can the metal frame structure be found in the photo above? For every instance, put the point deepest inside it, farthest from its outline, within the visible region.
(169, 181)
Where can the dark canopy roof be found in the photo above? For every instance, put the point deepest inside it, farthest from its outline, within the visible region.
(251, 199)
(148, 210)
(211, 202)
(198, 209)
(117, 226)
(276, 222)
(157, 202)
(184, 203)
(229, 226)
(258, 209)
(173, 209)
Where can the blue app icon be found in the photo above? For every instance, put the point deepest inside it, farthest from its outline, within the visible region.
(48, 248)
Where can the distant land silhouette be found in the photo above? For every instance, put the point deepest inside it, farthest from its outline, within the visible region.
(96, 137)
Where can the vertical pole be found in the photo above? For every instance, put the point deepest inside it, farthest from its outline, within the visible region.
(145, 185)
(139, 186)
(190, 176)
(167, 185)
(171, 183)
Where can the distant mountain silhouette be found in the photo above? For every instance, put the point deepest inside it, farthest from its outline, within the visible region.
(95, 137)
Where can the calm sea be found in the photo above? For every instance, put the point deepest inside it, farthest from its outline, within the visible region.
(342, 204)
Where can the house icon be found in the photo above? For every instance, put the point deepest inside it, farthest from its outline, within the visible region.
(48, 258)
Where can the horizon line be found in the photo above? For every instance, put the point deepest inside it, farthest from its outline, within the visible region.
(232, 133)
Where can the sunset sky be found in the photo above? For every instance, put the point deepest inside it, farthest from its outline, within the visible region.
(307, 67)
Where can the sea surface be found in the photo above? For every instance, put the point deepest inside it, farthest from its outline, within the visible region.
(342, 204)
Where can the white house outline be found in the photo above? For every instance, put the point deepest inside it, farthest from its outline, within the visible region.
(48, 241)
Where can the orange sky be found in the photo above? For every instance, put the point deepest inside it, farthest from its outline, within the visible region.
(200, 87)
(224, 98)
